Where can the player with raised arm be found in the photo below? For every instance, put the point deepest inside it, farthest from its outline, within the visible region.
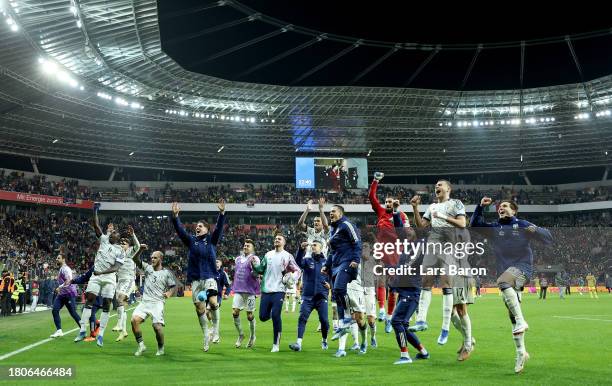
(314, 293)
(444, 216)
(201, 266)
(386, 234)
(511, 238)
(159, 285)
(342, 264)
(278, 268)
(126, 276)
(319, 231)
(109, 258)
(66, 296)
(246, 288)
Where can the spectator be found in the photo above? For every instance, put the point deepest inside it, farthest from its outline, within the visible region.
(6, 290)
(35, 293)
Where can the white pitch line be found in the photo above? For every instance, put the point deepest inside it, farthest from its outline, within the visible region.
(31, 346)
(575, 318)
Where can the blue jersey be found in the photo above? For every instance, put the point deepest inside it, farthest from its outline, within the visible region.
(511, 241)
(222, 282)
(202, 254)
(344, 245)
(312, 278)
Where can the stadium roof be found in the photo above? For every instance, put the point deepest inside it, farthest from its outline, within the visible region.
(89, 81)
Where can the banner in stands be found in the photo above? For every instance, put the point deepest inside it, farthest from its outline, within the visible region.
(45, 200)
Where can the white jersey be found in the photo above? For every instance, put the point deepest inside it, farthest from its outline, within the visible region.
(313, 235)
(276, 263)
(451, 208)
(156, 283)
(128, 268)
(108, 254)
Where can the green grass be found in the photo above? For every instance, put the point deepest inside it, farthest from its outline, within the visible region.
(563, 351)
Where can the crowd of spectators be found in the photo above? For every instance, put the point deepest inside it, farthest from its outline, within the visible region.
(284, 193)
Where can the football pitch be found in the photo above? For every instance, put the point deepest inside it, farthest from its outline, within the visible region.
(569, 342)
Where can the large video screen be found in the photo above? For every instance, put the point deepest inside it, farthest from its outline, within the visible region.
(334, 174)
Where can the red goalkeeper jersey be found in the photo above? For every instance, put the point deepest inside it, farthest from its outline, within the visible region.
(386, 231)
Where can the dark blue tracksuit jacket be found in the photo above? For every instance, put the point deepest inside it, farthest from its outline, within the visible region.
(344, 246)
(202, 254)
(312, 278)
(314, 292)
(511, 241)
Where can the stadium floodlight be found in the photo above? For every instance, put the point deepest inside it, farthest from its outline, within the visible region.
(49, 66)
(521, 158)
(221, 148)
(55, 141)
(369, 152)
(131, 154)
(79, 23)
(273, 121)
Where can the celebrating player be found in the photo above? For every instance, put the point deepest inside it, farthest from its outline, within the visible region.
(369, 280)
(246, 288)
(159, 285)
(202, 264)
(408, 289)
(314, 291)
(386, 234)
(342, 264)
(463, 295)
(108, 260)
(66, 296)
(444, 216)
(125, 282)
(278, 268)
(512, 247)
